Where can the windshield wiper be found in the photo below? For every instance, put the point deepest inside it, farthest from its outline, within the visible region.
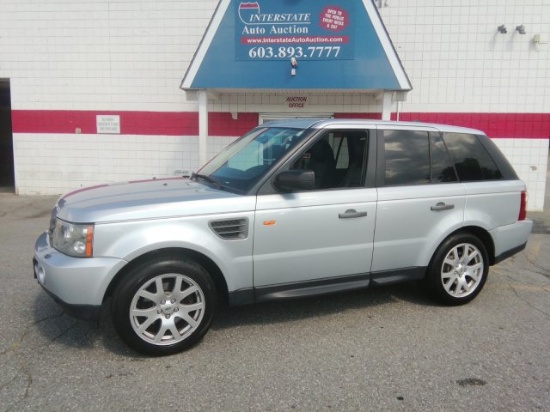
(206, 178)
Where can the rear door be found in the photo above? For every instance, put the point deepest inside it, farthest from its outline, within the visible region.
(420, 201)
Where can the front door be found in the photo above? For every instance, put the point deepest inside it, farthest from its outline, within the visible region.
(324, 234)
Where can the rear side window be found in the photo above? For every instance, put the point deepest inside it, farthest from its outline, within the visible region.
(416, 157)
(407, 157)
(442, 168)
(471, 160)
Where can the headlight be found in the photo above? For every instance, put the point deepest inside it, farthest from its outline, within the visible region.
(72, 239)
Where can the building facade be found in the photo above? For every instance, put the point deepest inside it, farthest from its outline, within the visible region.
(94, 91)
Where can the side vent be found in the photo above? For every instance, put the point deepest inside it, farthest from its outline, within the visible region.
(230, 229)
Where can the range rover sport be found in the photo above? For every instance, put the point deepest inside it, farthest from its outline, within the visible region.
(291, 209)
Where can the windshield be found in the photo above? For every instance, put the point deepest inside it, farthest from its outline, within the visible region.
(241, 164)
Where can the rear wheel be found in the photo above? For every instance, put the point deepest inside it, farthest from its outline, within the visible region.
(164, 306)
(458, 270)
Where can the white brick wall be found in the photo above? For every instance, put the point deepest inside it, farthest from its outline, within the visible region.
(59, 163)
(130, 55)
(529, 158)
(98, 54)
(457, 61)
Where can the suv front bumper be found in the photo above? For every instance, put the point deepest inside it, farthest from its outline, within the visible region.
(77, 284)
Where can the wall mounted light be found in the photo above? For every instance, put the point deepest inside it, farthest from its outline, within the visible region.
(521, 29)
(537, 39)
(502, 29)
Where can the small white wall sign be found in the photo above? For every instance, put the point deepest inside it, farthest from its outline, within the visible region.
(108, 124)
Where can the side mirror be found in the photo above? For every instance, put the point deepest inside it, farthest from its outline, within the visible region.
(292, 180)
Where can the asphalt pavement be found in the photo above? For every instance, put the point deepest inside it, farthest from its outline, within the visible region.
(380, 349)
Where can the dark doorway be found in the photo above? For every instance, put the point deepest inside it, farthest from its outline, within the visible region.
(7, 175)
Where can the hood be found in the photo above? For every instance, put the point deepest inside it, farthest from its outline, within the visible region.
(148, 199)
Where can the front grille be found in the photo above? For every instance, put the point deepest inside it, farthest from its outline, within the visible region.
(230, 229)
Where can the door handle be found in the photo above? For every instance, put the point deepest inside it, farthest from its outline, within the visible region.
(442, 206)
(351, 214)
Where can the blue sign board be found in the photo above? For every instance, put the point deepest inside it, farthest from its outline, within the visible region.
(310, 30)
(296, 44)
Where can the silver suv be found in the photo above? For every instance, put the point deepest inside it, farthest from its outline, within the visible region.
(291, 209)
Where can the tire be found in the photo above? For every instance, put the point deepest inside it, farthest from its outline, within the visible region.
(164, 306)
(458, 269)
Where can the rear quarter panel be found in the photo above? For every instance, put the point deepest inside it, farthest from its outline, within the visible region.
(494, 206)
(491, 204)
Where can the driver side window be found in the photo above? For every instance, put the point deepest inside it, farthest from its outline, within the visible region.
(338, 159)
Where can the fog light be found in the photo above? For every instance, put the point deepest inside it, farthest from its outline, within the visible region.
(40, 273)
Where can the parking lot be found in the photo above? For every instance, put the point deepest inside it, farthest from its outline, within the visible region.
(384, 349)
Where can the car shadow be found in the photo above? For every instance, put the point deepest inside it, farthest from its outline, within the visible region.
(57, 327)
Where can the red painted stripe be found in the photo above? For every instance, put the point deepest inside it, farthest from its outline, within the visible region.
(165, 123)
(222, 124)
(140, 123)
(497, 125)
(137, 123)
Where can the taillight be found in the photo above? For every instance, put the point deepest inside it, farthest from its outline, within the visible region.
(523, 206)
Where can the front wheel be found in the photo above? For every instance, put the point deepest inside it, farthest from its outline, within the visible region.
(164, 306)
(458, 269)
